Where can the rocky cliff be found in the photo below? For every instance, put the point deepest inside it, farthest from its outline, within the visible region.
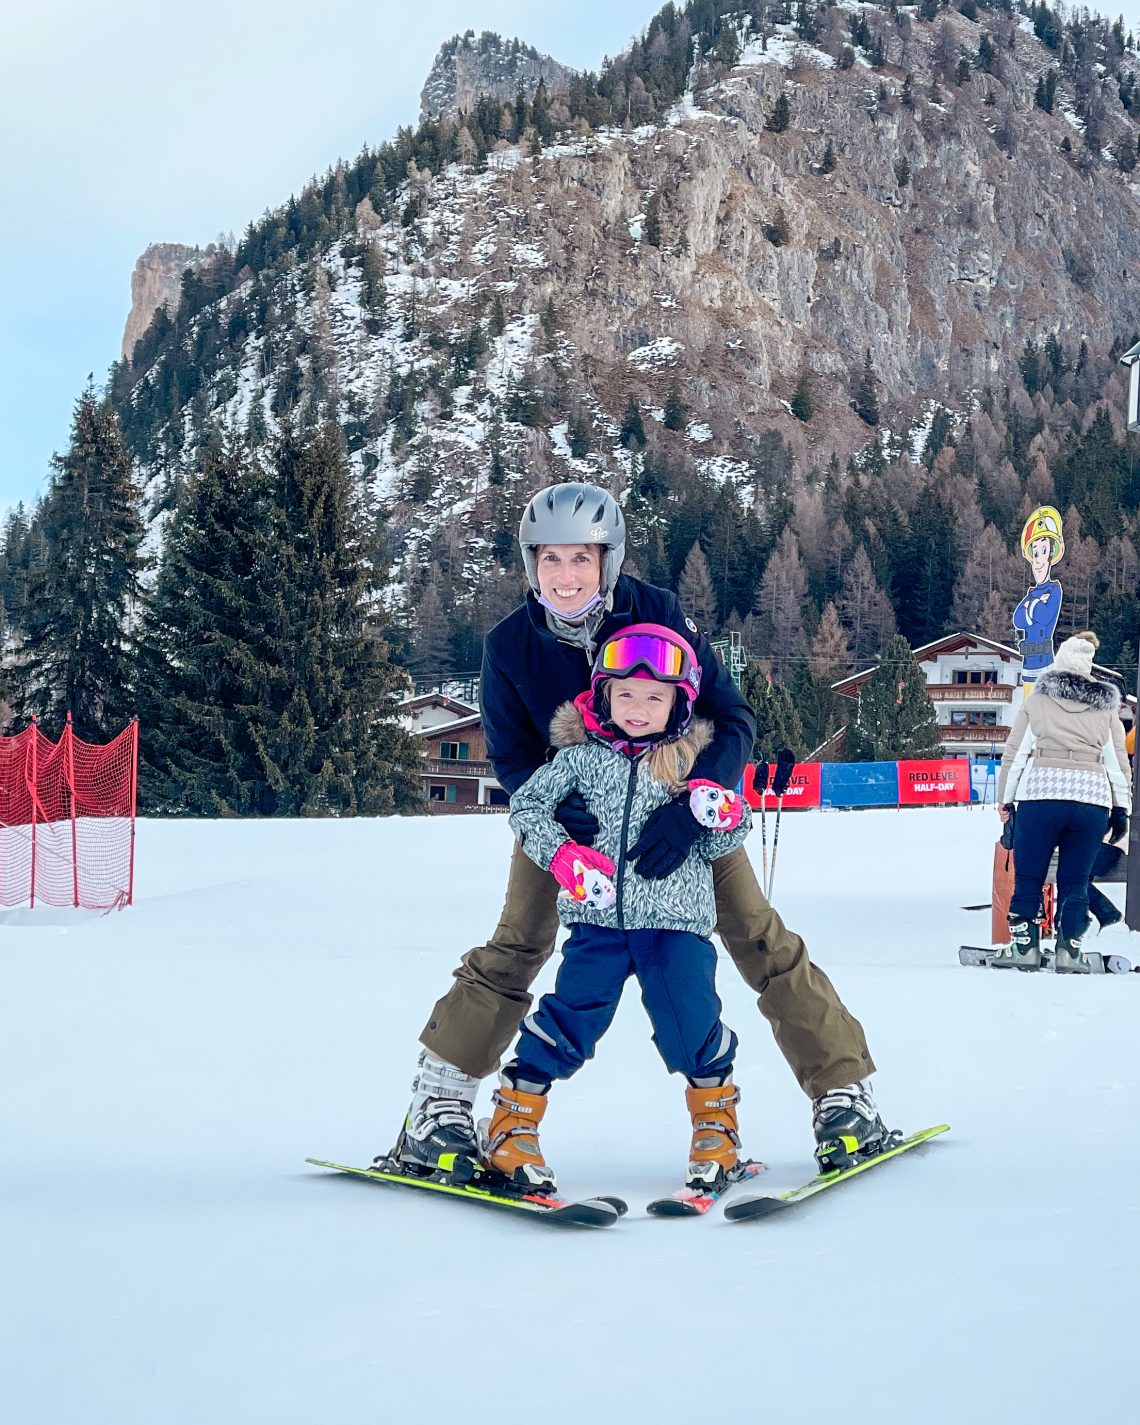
(156, 282)
(466, 68)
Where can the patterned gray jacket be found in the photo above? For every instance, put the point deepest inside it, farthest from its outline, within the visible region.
(620, 792)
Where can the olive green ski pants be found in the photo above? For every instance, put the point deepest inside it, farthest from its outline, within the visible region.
(476, 1020)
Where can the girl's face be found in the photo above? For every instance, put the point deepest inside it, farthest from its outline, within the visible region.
(641, 706)
(569, 575)
(1041, 558)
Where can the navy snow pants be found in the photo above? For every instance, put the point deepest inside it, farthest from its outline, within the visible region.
(677, 974)
(1076, 829)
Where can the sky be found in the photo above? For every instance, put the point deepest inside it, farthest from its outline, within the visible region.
(128, 123)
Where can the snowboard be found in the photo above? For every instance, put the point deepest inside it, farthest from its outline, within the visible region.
(695, 1202)
(588, 1212)
(750, 1209)
(981, 956)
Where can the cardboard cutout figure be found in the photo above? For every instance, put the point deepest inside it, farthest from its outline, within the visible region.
(1035, 618)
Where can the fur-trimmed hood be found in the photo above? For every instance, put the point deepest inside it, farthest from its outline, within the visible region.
(574, 722)
(1075, 688)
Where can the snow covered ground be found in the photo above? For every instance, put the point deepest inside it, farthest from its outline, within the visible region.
(167, 1257)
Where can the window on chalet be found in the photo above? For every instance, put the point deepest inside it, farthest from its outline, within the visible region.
(453, 751)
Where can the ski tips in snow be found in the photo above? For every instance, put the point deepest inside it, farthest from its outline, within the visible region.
(695, 1202)
(749, 1209)
(588, 1212)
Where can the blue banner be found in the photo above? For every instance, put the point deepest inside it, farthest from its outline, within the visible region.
(860, 784)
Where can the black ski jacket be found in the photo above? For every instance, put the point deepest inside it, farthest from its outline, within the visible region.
(528, 672)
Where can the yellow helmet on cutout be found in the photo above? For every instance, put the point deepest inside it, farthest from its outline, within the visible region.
(1043, 523)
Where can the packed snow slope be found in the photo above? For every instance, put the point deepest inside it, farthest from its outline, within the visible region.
(168, 1258)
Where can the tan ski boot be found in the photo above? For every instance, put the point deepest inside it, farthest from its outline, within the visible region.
(715, 1149)
(512, 1139)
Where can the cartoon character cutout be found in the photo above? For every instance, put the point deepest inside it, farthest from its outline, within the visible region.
(714, 806)
(1035, 618)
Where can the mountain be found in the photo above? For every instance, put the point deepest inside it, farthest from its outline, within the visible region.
(467, 69)
(843, 285)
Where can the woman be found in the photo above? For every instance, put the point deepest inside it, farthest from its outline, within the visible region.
(1066, 768)
(572, 539)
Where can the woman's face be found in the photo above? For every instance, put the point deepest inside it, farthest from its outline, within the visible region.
(1041, 558)
(569, 575)
(641, 706)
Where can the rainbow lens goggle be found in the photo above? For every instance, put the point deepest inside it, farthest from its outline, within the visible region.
(660, 658)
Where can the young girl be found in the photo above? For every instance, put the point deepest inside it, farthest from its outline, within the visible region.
(628, 746)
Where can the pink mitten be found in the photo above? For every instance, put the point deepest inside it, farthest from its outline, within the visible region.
(584, 875)
(713, 806)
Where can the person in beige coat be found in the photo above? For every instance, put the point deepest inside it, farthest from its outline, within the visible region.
(1065, 768)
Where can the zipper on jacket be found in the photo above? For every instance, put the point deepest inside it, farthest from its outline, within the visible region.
(630, 788)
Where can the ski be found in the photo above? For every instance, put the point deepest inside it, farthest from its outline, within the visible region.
(981, 956)
(748, 1209)
(695, 1202)
(588, 1212)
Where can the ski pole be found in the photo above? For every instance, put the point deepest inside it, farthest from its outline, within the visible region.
(785, 766)
(760, 786)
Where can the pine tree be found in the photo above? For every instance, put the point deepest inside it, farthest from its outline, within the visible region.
(781, 115)
(777, 721)
(373, 291)
(866, 395)
(674, 410)
(201, 681)
(895, 717)
(651, 230)
(864, 609)
(632, 433)
(695, 589)
(801, 403)
(780, 603)
(281, 698)
(829, 160)
(76, 654)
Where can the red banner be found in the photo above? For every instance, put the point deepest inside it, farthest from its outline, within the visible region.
(934, 783)
(803, 790)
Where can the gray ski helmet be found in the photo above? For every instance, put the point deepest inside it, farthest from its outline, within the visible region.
(574, 514)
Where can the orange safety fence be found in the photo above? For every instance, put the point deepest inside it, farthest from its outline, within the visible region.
(67, 819)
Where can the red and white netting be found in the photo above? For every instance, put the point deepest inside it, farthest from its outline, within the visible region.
(67, 819)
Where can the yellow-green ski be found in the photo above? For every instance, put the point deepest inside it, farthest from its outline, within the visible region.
(747, 1209)
(589, 1212)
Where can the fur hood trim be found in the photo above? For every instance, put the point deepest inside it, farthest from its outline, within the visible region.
(568, 729)
(1075, 688)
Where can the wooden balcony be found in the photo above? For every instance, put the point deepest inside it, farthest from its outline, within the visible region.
(463, 809)
(970, 692)
(980, 735)
(443, 767)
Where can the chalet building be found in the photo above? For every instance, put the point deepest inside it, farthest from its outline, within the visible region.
(456, 775)
(975, 686)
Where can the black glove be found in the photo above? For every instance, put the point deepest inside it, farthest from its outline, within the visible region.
(785, 766)
(667, 837)
(1007, 829)
(577, 818)
(1117, 823)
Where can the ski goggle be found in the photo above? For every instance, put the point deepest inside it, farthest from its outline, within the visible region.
(643, 650)
(654, 650)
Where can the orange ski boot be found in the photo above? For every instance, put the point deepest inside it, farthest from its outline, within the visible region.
(512, 1139)
(715, 1150)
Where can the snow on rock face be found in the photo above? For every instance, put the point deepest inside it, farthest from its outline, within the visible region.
(656, 354)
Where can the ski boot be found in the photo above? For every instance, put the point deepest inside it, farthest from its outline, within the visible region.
(438, 1138)
(1024, 950)
(1070, 960)
(847, 1127)
(714, 1153)
(512, 1150)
